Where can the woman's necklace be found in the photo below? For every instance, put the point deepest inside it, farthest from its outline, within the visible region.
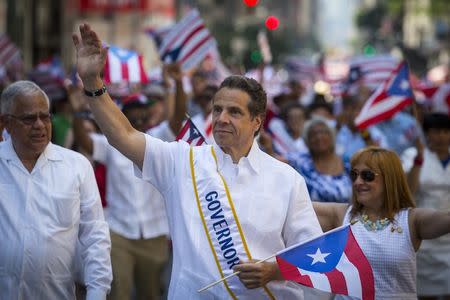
(377, 225)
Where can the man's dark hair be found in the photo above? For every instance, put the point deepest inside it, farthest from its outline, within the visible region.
(436, 121)
(258, 97)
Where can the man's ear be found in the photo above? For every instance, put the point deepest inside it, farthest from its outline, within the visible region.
(258, 120)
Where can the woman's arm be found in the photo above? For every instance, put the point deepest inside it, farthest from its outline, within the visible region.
(428, 224)
(330, 215)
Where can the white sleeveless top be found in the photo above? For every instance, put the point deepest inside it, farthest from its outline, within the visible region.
(392, 257)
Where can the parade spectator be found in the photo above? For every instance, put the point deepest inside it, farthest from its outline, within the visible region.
(49, 207)
(135, 210)
(401, 131)
(349, 139)
(389, 229)
(326, 174)
(158, 104)
(194, 183)
(428, 173)
(286, 131)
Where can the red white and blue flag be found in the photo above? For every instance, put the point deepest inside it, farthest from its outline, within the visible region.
(391, 97)
(190, 134)
(332, 262)
(123, 65)
(188, 42)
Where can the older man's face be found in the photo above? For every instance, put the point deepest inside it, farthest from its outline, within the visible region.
(29, 125)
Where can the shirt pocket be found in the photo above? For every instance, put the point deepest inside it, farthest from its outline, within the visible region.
(67, 208)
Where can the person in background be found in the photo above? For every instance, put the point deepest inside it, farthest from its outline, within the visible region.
(50, 211)
(135, 211)
(286, 131)
(320, 107)
(401, 131)
(158, 111)
(389, 229)
(326, 174)
(349, 139)
(428, 174)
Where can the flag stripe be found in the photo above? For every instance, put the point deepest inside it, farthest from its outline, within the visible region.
(359, 260)
(124, 70)
(351, 275)
(175, 32)
(319, 280)
(337, 282)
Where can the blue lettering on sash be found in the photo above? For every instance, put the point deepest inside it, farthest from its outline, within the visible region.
(221, 229)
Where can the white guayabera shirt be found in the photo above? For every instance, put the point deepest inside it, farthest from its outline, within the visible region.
(43, 216)
(270, 199)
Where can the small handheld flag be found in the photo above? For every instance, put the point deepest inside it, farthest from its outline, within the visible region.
(187, 42)
(332, 262)
(391, 97)
(190, 134)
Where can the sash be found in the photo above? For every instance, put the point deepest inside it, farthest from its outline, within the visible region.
(220, 222)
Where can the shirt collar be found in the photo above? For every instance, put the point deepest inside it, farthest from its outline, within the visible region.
(252, 159)
(9, 153)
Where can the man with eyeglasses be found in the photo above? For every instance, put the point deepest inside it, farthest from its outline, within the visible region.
(50, 210)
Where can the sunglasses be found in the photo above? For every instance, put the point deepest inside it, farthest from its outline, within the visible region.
(366, 175)
(31, 119)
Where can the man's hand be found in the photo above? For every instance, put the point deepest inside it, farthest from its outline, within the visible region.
(254, 275)
(91, 56)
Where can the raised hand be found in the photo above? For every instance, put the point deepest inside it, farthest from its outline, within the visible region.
(91, 55)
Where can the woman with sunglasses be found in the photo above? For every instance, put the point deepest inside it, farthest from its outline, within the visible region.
(389, 228)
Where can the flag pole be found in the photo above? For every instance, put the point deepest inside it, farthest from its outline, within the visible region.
(352, 222)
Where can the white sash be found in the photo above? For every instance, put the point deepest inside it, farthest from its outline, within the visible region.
(220, 222)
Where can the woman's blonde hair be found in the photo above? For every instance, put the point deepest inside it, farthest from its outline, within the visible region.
(396, 191)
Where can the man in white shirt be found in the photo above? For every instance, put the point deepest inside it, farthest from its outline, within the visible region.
(228, 204)
(135, 210)
(49, 203)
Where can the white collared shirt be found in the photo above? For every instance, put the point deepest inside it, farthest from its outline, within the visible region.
(135, 208)
(271, 201)
(43, 214)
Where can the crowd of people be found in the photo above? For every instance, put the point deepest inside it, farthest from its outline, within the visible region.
(95, 189)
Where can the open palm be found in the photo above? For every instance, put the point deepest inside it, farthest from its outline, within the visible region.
(91, 55)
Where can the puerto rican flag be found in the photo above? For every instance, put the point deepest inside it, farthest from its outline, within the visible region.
(123, 65)
(190, 134)
(391, 97)
(332, 262)
(188, 42)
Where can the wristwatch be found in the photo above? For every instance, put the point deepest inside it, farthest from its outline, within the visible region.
(96, 93)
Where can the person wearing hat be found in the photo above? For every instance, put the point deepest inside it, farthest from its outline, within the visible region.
(135, 211)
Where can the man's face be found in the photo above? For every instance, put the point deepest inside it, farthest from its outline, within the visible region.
(29, 125)
(233, 126)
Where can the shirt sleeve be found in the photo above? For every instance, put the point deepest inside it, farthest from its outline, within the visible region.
(100, 147)
(160, 161)
(95, 243)
(301, 220)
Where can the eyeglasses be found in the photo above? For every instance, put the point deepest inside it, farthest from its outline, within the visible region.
(366, 175)
(31, 119)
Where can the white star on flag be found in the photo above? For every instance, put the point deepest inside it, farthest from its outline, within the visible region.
(404, 85)
(318, 256)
